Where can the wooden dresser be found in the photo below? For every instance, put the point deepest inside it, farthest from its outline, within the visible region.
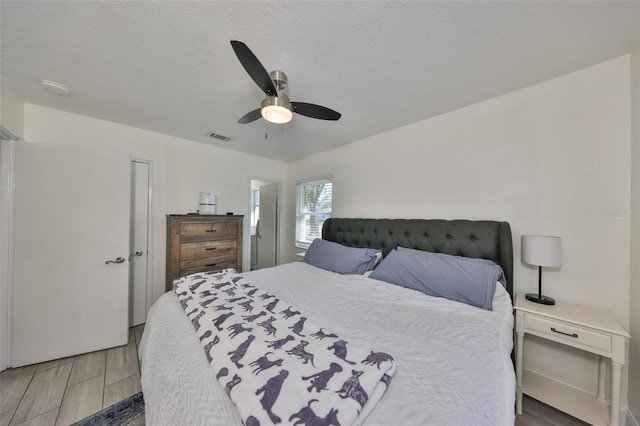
(198, 243)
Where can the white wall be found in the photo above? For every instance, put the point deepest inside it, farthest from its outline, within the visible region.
(551, 158)
(634, 317)
(181, 169)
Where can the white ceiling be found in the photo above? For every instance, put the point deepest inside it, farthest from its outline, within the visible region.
(167, 66)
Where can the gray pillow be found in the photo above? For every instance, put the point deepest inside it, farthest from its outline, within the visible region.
(502, 279)
(338, 258)
(463, 279)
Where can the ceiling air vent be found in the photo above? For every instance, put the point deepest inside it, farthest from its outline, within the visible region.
(221, 137)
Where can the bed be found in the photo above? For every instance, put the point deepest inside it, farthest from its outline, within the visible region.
(453, 360)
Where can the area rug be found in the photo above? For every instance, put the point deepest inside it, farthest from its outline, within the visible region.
(128, 412)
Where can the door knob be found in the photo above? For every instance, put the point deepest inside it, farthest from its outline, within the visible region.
(118, 260)
(139, 253)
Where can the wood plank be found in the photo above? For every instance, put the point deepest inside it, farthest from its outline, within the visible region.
(13, 384)
(536, 413)
(87, 367)
(5, 418)
(43, 394)
(123, 389)
(525, 420)
(53, 363)
(81, 401)
(46, 419)
(137, 331)
(122, 362)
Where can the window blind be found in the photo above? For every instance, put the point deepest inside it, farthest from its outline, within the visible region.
(314, 200)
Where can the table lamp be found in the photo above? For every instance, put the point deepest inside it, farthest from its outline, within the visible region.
(541, 250)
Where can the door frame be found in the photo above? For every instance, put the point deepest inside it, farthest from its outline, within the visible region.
(247, 223)
(7, 153)
(149, 283)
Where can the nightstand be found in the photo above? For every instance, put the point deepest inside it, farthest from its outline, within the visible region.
(579, 327)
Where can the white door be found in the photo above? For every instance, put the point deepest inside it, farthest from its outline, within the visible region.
(71, 216)
(266, 232)
(139, 232)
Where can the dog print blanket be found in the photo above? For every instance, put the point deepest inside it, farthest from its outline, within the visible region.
(275, 364)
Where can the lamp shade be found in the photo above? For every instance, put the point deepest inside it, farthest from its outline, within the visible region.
(541, 250)
(276, 109)
(276, 114)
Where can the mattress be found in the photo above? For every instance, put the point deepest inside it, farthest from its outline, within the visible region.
(453, 360)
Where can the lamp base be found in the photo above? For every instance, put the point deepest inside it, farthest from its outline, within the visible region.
(535, 297)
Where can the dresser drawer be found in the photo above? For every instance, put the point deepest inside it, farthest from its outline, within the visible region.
(190, 271)
(199, 250)
(208, 231)
(570, 334)
(217, 262)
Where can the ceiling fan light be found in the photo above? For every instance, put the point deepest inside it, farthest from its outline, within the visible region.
(276, 109)
(276, 114)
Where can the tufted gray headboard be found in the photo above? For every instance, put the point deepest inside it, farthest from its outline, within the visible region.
(470, 238)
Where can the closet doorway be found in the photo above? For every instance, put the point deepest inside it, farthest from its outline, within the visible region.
(264, 224)
(140, 289)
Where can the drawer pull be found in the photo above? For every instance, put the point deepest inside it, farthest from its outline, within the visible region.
(210, 248)
(574, 335)
(212, 230)
(214, 264)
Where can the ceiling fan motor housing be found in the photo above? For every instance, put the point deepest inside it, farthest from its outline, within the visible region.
(282, 100)
(279, 80)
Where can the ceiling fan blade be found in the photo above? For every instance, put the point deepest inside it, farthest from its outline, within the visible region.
(315, 111)
(250, 116)
(254, 68)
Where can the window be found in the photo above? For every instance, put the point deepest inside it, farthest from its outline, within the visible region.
(313, 206)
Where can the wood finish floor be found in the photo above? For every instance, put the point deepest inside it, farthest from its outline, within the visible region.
(63, 391)
(535, 413)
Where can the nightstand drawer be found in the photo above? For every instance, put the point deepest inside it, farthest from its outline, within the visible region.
(570, 334)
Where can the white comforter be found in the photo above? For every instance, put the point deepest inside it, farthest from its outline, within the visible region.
(453, 360)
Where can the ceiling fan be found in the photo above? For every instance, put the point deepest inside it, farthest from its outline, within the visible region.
(276, 107)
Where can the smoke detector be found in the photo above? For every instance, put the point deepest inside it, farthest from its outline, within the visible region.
(53, 87)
